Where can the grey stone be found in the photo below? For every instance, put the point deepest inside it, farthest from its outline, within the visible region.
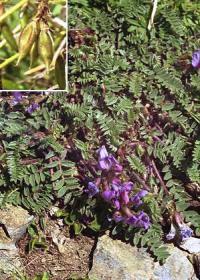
(177, 266)
(114, 259)
(14, 222)
(9, 264)
(6, 243)
(191, 244)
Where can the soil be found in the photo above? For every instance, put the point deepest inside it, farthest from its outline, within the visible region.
(73, 262)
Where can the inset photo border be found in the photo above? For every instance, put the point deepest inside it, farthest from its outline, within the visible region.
(33, 45)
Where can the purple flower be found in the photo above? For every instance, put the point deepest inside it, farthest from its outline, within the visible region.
(116, 181)
(117, 217)
(185, 232)
(142, 193)
(196, 59)
(116, 187)
(127, 186)
(17, 97)
(32, 108)
(108, 195)
(136, 199)
(102, 152)
(172, 233)
(112, 195)
(106, 161)
(115, 165)
(116, 204)
(124, 192)
(92, 189)
(140, 220)
(124, 197)
(118, 193)
(143, 220)
(132, 220)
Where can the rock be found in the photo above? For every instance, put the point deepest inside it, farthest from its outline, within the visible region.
(114, 259)
(15, 220)
(6, 243)
(9, 263)
(191, 244)
(59, 239)
(177, 266)
(13, 225)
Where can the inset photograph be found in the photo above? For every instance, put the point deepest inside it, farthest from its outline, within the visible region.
(33, 45)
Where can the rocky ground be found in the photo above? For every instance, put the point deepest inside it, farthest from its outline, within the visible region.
(65, 257)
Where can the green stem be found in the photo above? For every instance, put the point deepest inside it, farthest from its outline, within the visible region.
(12, 10)
(9, 60)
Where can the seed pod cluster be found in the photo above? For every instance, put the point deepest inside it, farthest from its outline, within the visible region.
(36, 39)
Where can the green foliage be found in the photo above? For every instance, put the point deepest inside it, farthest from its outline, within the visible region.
(36, 171)
(194, 167)
(143, 98)
(152, 239)
(37, 239)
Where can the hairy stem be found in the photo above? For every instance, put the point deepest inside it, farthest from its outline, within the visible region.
(43, 10)
(159, 177)
(155, 4)
(137, 177)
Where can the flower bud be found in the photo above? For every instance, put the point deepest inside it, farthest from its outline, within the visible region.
(27, 38)
(45, 46)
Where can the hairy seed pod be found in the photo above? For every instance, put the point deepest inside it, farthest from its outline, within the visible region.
(27, 38)
(34, 53)
(8, 36)
(60, 72)
(45, 47)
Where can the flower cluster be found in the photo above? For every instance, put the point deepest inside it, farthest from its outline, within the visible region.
(120, 195)
(17, 98)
